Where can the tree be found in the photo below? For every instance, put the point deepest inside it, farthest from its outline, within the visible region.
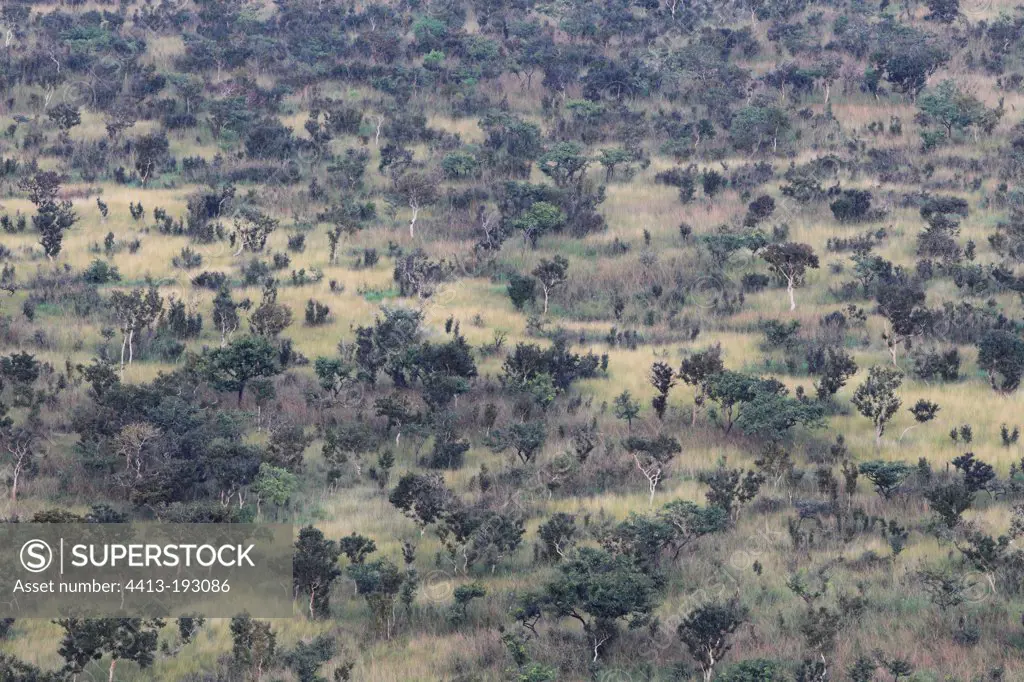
(770, 413)
(924, 411)
(511, 144)
(541, 218)
(977, 474)
(357, 547)
(652, 456)
(688, 522)
(135, 311)
(730, 489)
(131, 442)
(851, 206)
(64, 115)
(943, 11)
(876, 398)
(270, 318)
(526, 439)
(1001, 354)
(252, 228)
(232, 367)
(225, 313)
(597, 588)
(422, 497)
(19, 448)
(253, 645)
(754, 127)
(610, 159)
(663, 379)
(755, 670)
(698, 370)
(565, 163)
(314, 570)
(551, 273)
(950, 501)
(887, 477)
(706, 632)
(380, 583)
(53, 218)
(770, 410)
(417, 190)
(521, 290)
(89, 639)
(951, 108)
(837, 368)
(902, 304)
(897, 667)
(273, 484)
(13, 669)
(150, 152)
(307, 657)
(626, 408)
(906, 58)
(759, 210)
(557, 536)
(790, 262)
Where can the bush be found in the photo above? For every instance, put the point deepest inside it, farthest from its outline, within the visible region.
(316, 313)
(101, 272)
(852, 205)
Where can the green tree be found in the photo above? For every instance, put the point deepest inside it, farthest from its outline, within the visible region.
(943, 11)
(89, 639)
(876, 398)
(135, 311)
(522, 289)
(64, 115)
(273, 484)
(53, 218)
(245, 358)
(626, 408)
(611, 159)
(663, 378)
(887, 477)
(314, 570)
(754, 127)
(541, 218)
(597, 589)
(1001, 354)
(652, 456)
(551, 273)
(380, 583)
(698, 370)
(525, 439)
(151, 151)
(951, 108)
(565, 163)
(790, 262)
(707, 629)
(253, 646)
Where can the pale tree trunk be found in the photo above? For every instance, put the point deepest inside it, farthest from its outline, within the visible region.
(14, 479)
(412, 223)
(790, 290)
(113, 664)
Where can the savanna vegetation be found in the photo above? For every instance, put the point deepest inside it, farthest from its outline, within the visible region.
(579, 340)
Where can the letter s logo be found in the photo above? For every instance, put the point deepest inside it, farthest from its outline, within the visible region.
(36, 556)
